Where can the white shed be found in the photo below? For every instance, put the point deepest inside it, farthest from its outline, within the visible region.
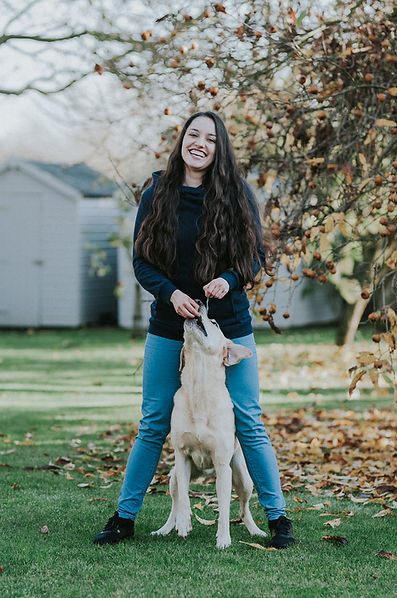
(309, 304)
(51, 217)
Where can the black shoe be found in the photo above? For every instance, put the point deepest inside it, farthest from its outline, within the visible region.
(116, 529)
(281, 531)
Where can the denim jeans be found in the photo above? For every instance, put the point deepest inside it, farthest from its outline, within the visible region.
(161, 380)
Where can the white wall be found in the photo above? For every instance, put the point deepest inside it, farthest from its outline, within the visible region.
(38, 256)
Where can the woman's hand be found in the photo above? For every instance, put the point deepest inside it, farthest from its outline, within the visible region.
(184, 305)
(217, 288)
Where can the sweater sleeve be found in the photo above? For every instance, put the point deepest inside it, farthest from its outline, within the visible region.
(148, 276)
(231, 276)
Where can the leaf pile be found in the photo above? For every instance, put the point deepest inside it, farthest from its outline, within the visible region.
(336, 453)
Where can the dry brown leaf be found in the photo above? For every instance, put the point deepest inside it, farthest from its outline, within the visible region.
(334, 522)
(384, 122)
(205, 521)
(338, 539)
(384, 513)
(384, 553)
(259, 546)
(45, 530)
(366, 358)
(392, 260)
(357, 377)
(390, 339)
(358, 499)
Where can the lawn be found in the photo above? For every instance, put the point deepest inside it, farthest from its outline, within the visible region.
(69, 404)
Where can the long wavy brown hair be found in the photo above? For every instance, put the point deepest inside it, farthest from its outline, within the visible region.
(229, 236)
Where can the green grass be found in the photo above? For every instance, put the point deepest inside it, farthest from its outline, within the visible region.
(59, 386)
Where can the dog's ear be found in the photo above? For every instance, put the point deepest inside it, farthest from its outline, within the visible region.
(233, 353)
(182, 359)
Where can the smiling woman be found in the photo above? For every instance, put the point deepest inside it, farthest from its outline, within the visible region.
(198, 149)
(198, 239)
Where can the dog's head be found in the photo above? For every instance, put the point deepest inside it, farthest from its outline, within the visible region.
(205, 335)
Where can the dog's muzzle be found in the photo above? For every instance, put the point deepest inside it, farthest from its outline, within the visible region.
(198, 321)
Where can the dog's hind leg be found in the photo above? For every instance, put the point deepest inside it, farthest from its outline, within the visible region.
(242, 483)
(170, 523)
(223, 490)
(183, 514)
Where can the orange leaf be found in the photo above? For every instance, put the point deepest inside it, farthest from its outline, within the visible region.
(387, 555)
(220, 8)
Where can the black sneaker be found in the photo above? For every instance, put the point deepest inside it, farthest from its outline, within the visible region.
(116, 529)
(281, 531)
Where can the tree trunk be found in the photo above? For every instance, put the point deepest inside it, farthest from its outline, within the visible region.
(350, 321)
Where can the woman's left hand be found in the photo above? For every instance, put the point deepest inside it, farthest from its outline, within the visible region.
(217, 288)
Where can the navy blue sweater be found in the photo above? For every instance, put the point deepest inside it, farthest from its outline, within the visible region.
(231, 312)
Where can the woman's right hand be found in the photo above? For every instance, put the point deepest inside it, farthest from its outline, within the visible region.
(184, 305)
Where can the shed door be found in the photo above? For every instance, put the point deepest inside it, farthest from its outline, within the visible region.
(21, 260)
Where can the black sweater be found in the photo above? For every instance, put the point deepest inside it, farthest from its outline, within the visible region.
(231, 312)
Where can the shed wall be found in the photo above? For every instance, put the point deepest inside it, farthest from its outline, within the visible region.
(38, 254)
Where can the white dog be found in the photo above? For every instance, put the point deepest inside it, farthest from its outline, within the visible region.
(203, 430)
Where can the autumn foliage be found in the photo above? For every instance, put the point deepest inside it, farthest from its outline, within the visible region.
(310, 101)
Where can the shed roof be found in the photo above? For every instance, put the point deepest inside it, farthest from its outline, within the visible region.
(86, 180)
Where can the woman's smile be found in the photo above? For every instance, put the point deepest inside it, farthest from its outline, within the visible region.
(198, 146)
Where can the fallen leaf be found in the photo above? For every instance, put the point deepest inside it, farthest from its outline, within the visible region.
(199, 506)
(384, 513)
(1, 569)
(334, 522)
(357, 499)
(94, 499)
(335, 539)
(14, 486)
(44, 530)
(85, 485)
(387, 555)
(106, 487)
(205, 521)
(259, 546)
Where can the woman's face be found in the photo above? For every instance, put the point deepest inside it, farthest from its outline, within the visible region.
(199, 144)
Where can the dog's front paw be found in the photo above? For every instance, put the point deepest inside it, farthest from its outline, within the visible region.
(183, 526)
(223, 541)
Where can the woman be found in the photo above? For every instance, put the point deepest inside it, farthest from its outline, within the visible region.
(198, 236)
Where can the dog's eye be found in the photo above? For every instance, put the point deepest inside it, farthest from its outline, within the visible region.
(215, 322)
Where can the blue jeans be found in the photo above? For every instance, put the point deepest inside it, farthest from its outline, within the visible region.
(161, 380)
